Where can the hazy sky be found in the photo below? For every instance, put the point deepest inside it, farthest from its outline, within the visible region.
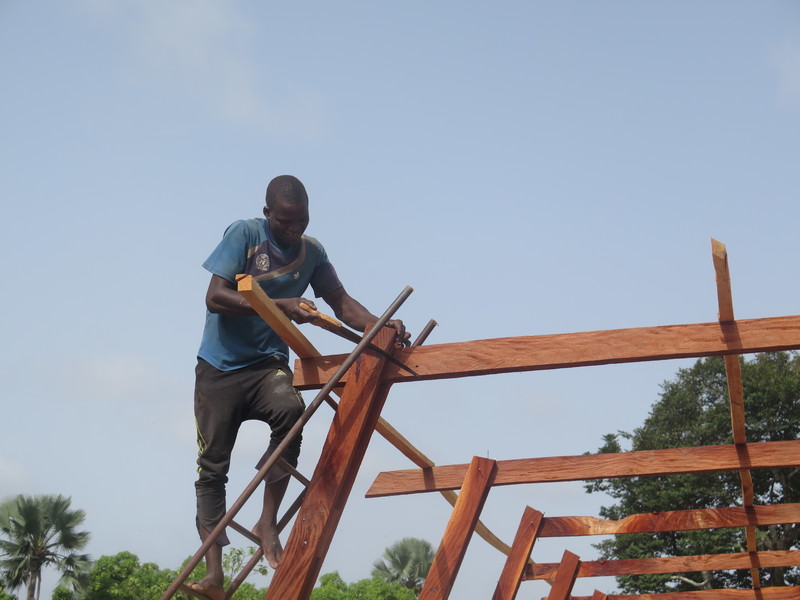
(528, 167)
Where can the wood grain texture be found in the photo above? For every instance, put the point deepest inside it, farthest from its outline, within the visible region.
(274, 317)
(457, 534)
(333, 478)
(702, 459)
(679, 520)
(303, 348)
(719, 255)
(673, 564)
(564, 577)
(520, 555)
(733, 371)
(517, 354)
(770, 593)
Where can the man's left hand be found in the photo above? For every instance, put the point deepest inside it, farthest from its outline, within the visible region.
(402, 337)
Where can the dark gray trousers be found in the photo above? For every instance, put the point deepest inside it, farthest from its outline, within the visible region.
(223, 400)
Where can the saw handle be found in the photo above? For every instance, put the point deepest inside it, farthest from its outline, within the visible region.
(321, 319)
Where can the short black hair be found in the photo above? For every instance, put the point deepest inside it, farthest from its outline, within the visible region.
(287, 188)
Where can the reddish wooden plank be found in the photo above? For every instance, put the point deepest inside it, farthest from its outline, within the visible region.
(770, 593)
(598, 595)
(516, 354)
(333, 478)
(457, 534)
(303, 348)
(719, 255)
(672, 564)
(733, 372)
(700, 459)
(565, 577)
(678, 520)
(520, 555)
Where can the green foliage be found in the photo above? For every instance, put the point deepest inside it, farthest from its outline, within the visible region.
(40, 532)
(332, 587)
(5, 595)
(62, 593)
(235, 558)
(406, 562)
(694, 411)
(123, 577)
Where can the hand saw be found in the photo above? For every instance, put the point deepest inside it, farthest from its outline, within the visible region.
(334, 326)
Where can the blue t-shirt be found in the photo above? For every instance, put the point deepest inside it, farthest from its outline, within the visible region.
(231, 341)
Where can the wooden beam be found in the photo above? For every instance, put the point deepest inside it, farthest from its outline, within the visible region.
(565, 577)
(303, 348)
(517, 354)
(678, 520)
(520, 555)
(672, 564)
(733, 371)
(333, 478)
(719, 255)
(702, 459)
(770, 593)
(274, 317)
(447, 562)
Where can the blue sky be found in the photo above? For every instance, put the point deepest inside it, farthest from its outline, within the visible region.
(528, 167)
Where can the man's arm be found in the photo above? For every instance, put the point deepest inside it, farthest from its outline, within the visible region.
(224, 298)
(350, 311)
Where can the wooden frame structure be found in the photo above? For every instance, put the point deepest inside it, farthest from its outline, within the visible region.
(367, 384)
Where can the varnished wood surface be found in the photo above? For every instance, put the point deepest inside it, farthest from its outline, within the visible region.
(303, 348)
(733, 372)
(516, 354)
(564, 576)
(700, 459)
(520, 555)
(768, 593)
(678, 520)
(447, 562)
(333, 478)
(673, 564)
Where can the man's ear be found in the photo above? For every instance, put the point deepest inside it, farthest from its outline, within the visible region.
(266, 212)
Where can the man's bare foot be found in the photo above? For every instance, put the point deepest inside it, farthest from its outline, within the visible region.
(270, 543)
(205, 588)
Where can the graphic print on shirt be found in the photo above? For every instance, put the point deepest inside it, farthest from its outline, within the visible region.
(263, 262)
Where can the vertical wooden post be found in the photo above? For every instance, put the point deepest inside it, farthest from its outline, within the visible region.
(344, 449)
(460, 527)
(510, 578)
(598, 595)
(565, 577)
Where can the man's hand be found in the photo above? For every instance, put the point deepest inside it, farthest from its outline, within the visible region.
(402, 337)
(291, 308)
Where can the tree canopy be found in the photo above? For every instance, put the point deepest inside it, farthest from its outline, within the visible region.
(332, 587)
(693, 410)
(39, 532)
(406, 562)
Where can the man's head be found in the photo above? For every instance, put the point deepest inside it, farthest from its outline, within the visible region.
(286, 209)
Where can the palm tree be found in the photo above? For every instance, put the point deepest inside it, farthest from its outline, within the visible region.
(38, 532)
(406, 562)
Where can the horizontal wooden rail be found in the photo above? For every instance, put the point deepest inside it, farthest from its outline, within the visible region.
(676, 520)
(768, 593)
(516, 354)
(671, 564)
(702, 459)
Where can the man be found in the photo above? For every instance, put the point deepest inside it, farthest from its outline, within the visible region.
(242, 369)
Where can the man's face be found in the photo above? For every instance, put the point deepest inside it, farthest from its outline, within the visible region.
(287, 222)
